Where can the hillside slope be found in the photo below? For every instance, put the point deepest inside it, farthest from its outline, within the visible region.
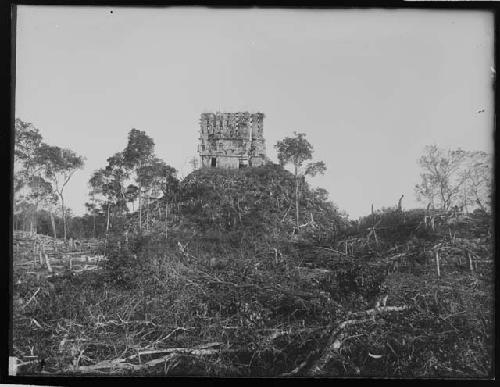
(235, 291)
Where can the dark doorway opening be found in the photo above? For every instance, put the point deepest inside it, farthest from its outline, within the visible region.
(214, 162)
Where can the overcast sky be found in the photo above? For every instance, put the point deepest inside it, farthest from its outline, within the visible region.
(370, 88)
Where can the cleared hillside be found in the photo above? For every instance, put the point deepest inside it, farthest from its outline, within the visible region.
(234, 290)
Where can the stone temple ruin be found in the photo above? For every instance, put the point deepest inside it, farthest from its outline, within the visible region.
(232, 140)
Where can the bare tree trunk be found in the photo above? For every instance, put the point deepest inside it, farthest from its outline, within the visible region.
(140, 209)
(31, 217)
(35, 228)
(35, 211)
(107, 222)
(443, 200)
(63, 215)
(296, 199)
(53, 222)
(166, 220)
(147, 212)
(469, 255)
(437, 264)
(480, 204)
(94, 225)
(465, 201)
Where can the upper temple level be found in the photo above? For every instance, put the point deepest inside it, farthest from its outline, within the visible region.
(232, 140)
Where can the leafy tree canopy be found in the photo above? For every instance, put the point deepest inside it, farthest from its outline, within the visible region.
(139, 149)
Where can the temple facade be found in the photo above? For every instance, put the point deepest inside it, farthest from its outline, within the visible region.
(231, 140)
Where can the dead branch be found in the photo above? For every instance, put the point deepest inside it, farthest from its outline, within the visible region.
(336, 337)
(31, 298)
(333, 250)
(335, 340)
(169, 353)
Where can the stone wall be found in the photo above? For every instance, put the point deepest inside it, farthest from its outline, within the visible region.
(233, 139)
(226, 162)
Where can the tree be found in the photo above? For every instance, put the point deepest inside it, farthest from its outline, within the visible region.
(151, 178)
(60, 164)
(27, 170)
(254, 205)
(48, 199)
(35, 191)
(441, 178)
(101, 186)
(93, 206)
(296, 150)
(132, 194)
(169, 188)
(477, 177)
(138, 152)
(117, 175)
(27, 141)
(108, 188)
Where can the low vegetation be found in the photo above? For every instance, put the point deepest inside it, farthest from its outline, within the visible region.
(248, 272)
(227, 286)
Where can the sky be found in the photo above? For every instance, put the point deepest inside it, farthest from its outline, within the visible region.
(370, 88)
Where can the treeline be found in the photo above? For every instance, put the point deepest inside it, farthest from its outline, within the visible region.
(78, 227)
(131, 180)
(455, 177)
(136, 191)
(41, 174)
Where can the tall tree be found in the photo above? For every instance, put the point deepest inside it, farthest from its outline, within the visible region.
(102, 190)
(169, 187)
(108, 188)
(132, 193)
(477, 177)
(60, 164)
(29, 186)
(27, 140)
(93, 206)
(150, 177)
(138, 153)
(297, 150)
(48, 198)
(117, 175)
(441, 180)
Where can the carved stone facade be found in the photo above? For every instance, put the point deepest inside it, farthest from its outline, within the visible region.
(232, 140)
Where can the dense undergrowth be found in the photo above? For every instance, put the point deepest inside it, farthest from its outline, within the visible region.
(234, 291)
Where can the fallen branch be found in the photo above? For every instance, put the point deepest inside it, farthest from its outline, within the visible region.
(374, 311)
(200, 350)
(171, 333)
(332, 250)
(31, 298)
(278, 289)
(335, 341)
